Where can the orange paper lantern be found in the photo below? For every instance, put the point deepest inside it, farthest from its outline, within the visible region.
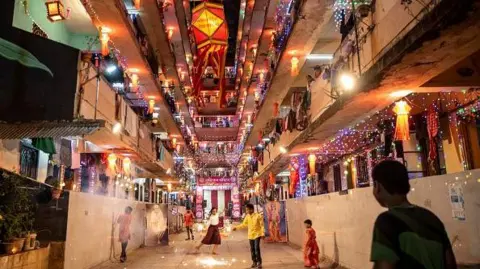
(151, 106)
(294, 69)
(402, 128)
(104, 39)
(311, 163)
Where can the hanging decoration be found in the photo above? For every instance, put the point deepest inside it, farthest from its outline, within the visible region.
(276, 110)
(271, 178)
(402, 128)
(311, 163)
(302, 173)
(170, 33)
(342, 9)
(104, 39)
(126, 165)
(293, 176)
(294, 68)
(112, 160)
(151, 106)
(432, 128)
(134, 78)
(211, 37)
(55, 11)
(137, 4)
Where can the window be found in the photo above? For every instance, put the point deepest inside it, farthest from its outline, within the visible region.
(361, 166)
(337, 177)
(28, 161)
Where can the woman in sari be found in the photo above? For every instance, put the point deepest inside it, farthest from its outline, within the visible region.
(310, 250)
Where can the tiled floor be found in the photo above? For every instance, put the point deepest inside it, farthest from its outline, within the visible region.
(233, 253)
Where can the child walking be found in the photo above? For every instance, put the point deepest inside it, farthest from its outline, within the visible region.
(310, 250)
(254, 222)
(124, 221)
(188, 220)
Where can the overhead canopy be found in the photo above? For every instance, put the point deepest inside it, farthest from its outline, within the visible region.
(49, 129)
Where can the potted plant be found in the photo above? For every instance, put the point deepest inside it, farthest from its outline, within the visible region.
(16, 211)
(56, 189)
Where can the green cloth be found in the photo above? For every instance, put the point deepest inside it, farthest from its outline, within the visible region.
(44, 144)
(410, 237)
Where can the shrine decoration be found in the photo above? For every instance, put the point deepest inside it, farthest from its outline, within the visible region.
(104, 39)
(311, 163)
(402, 128)
(211, 38)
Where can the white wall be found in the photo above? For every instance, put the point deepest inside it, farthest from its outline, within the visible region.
(10, 155)
(91, 225)
(344, 223)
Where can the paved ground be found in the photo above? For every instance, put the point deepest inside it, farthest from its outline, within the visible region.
(233, 253)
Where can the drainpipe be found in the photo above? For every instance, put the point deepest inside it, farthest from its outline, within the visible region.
(96, 96)
(356, 37)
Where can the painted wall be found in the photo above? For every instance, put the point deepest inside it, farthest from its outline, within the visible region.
(91, 225)
(56, 31)
(344, 223)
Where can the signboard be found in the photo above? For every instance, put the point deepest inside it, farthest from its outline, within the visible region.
(215, 181)
(198, 203)
(456, 201)
(236, 210)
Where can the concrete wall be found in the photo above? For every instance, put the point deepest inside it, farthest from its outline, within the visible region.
(344, 223)
(37, 259)
(10, 158)
(91, 225)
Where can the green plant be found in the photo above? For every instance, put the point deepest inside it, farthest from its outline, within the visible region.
(16, 207)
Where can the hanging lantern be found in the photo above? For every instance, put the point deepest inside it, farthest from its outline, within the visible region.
(170, 33)
(178, 148)
(169, 187)
(311, 163)
(126, 165)
(261, 76)
(271, 178)
(134, 79)
(112, 160)
(402, 128)
(294, 69)
(55, 11)
(151, 106)
(137, 4)
(276, 111)
(174, 142)
(104, 39)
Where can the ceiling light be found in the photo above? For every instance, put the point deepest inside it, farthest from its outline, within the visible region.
(117, 127)
(283, 150)
(347, 81)
(320, 57)
(111, 68)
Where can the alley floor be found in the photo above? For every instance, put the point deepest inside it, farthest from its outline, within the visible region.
(233, 253)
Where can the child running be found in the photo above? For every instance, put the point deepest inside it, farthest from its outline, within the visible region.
(310, 250)
(254, 222)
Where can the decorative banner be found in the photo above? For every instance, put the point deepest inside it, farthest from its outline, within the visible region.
(216, 181)
(236, 211)
(275, 222)
(199, 203)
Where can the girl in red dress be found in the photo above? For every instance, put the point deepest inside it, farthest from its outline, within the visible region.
(310, 250)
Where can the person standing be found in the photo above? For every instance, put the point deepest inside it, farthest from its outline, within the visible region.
(188, 219)
(124, 221)
(310, 249)
(406, 235)
(256, 231)
(213, 234)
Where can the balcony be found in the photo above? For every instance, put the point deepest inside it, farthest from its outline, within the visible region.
(394, 58)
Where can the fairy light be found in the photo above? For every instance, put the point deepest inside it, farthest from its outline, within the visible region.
(29, 15)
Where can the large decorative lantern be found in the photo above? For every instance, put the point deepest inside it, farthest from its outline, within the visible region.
(112, 160)
(55, 11)
(211, 37)
(104, 39)
(402, 128)
(311, 163)
(126, 165)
